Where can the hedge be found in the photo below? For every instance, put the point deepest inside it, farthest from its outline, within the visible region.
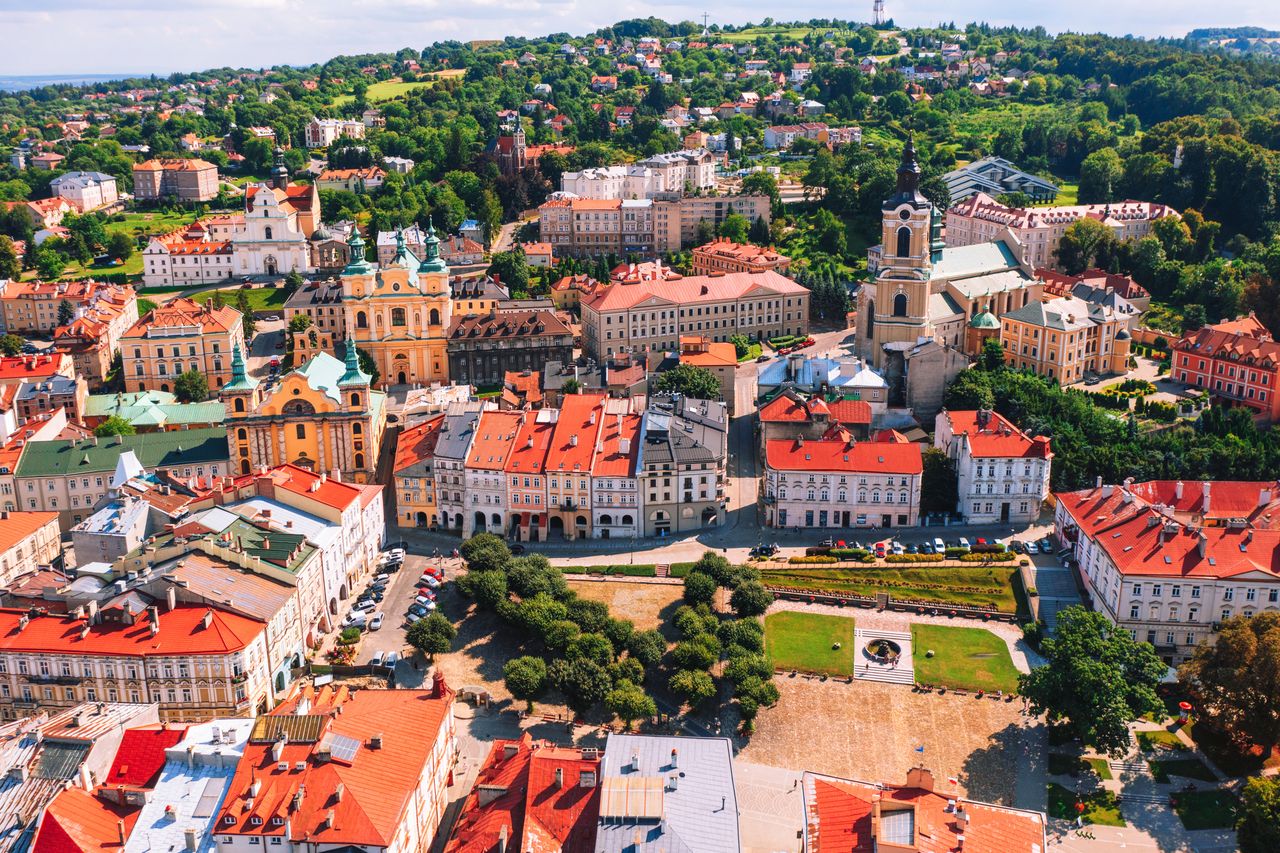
(913, 558)
(850, 553)
(643, 570)
(956, 553)
(817, 560)
(999, 557)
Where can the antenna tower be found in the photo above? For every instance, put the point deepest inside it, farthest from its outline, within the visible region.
(877, 13)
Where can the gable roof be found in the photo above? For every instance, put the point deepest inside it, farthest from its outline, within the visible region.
(140, 756)
(78, 822)
(836, 455)
(153, 449)
(182, 632)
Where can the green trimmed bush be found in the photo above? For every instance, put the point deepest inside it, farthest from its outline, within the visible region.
(815, 560)
(913, 558)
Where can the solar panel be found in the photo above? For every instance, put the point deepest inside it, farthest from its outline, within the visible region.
(340, 747)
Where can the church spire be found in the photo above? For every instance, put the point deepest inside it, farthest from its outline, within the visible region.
(356, 264)
(431, 260)
(240, 379)
(907, 190)
(353, 375)
(279, 171)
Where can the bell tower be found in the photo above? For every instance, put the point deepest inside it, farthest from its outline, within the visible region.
(895, 307)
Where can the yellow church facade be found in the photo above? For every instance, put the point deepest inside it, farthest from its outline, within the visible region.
(399, 313)
(323, 416)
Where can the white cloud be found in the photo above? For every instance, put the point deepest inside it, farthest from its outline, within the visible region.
(144, 36)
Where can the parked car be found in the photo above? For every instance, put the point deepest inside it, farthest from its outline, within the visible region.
(981, 541)
(427, 592)
(365, 605)
(382, 578)
(898, 549)
(913, 549)
(355, 619)
(375, 621)
(926, 548)
(763, 358)
(879, 550)
(424, 601)
(827, 543)
(416, 609)
(434, 571)
(939, 545)
(1033, 547)
(428, 580)
(391, 659)
(1017, 547)
(963, 543)
(376, 660)
(410, 618)
(1047, 545)
(394, 554)
(764, 550)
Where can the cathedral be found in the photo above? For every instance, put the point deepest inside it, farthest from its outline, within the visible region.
(399, 313)
(279, 220)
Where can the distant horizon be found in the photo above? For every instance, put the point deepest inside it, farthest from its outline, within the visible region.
(219, 35)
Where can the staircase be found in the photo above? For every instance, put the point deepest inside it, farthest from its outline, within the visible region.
(875, 672)
(889, 676)
(1139, 767)
(662, 570)
(1144, 799)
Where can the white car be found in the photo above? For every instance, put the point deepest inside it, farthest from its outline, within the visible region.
(898, 549)
(355, 619)
(425, 602)
(964, 543)
(376, 660)
(391, 659)
(383, 578)
(375, 622)
(362, 606)
(939, 545)
(429, 581)
(393, 554)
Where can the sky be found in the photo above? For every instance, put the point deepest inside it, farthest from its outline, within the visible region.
(49, 37)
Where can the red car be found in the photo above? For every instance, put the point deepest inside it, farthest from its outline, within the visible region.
(427, 591)
(434, 571)
(981, 541)
(880, 550)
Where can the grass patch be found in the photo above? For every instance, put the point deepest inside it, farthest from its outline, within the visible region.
(753, 352)
(1100, 767)
(260, 298)
(976, 585)
(1068, 193)
(385, 90)
(1160, 740)
(144, 305)
(1100, 807)
(805, 641)
(1189, 768)
(1206, 809)
(639, 570)
(969, 658)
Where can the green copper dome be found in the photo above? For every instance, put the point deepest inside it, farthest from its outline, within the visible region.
(240, 379)
(353, 375)
(984, 320)
(431, 260)
(357, 265)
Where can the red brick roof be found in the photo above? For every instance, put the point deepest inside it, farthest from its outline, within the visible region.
(580, 417)
(1244, 340)
(182, 632)
(999, 439)
(78, 822)
(418, 442)
(495, 437)
(187, 312)
(610, 460)
(529, 453)
(140, 756)
(831, 455)
(695, 289)
(786, 408)
(537, 814)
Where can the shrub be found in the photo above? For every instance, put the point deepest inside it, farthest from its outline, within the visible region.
(699, 588)
(349, 636)
(1001, 557)
(815, 560)
(849, 553)
(956, 553)
(913, 558)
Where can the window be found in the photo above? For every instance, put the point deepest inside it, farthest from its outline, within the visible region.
(397, 317)
(904, 242)
(301, 430)
(900, 305)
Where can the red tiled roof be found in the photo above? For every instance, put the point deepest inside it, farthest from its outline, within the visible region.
(524, 383)
(786, 408)
(495, 437)
(140, 756)
(181, 633)
(1245, 339)
(33, 366)
(700, 352)
(187, 312)
(1000, 439)
(16, 527)
(317, 487)
(839, 819)
(694, 289)
(580, 417)
(610, 460)
(827, 455)
(529, 453)
(78, 822)
(418, 442)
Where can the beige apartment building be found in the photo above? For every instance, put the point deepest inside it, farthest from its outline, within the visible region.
(32, 306)
(1065, 338)
(724, 255)
(981, 219)
(191, 180)
(27, 540)
(643, 316)
(585, 227)
(178, 336)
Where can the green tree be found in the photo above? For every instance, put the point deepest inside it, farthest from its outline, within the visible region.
(583, 682)
(828, 232)
(760, 234)
(715, 566)
(11, 344)
(741, 344)
(1100, 174)
(992, 356)
(1016, 199)
(191, 387)
(1258, 819)
(431, 636)
(1085, 243)
(299, 323)
(525, 678)
(512, 269)
(735, 227)
(246, 313)
(939, 483)
(571, 386)
(1098, 679)
(699, 588)
(66, 312)
(648, 647)
(485, 552)
(630, 703)
(694, 653)
(50, 263)
(593, 647)
(10, 263)
(120, 246)
(113, 425)
(487, 588)
(750, 599)
(693, 686)
(691, 381)
(369, 366)
(706, 232)
(293, 281)
(1236, 679)
(765, 184)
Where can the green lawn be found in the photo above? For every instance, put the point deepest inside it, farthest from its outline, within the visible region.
(1066, 765)
(144, 224)
(753, 352)
(968, 658)
(805, 641)
(1190, 768)
(1101, 767)
(1206, 809)
(144, 305)
(384, 90)
(794, 33)
(1100, 807)
(260, 298)
(965, 585)
(1160, 740)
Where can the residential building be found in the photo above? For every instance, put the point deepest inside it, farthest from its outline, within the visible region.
(615, 485)
(782, 137)
(485, 481)
(677, 172)
(118, 528)
(453, 447)
(996, 176)
(179, 336)
(185, 180)
(152, 411)
(33, 306)
(584, 227)
(86, 190)
(521, 389)
(321, 303)
(869, 817)
(924, 291)
(44, 213)
(323, 415)
(1169, 561)
(718, 358)
(534, 794)
(92, 339)
(186, 255)
(538, 255)
(654, 315)
(841, 378)
(697, 812)
(195, 661)
(344, 770)
(52, 426)
(791, 413)
(28, 540)
(1067, 339)
(1003, 473)
(47, 755)
(71, 476)
(47, 161)
(526, 472)
(723, 255)
(1096, 285)
(323, 132)
(400, 313)
(358, 181)
(980, 218)
(483, 348)
(1237, 361)
(567, 292)
(16, 370)
(838, 481)
(676, 223)
(682, 464)
(34, 400)
(414, 472)
(569, 465)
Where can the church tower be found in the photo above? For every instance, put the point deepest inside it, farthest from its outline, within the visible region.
(279, 171)
(241, 397)
(894, 309)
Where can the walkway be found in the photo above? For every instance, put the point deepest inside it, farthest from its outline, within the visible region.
(1057, 590)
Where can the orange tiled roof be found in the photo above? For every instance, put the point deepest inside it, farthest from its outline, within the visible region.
(1242, 339)
(182, 632)
(529, 453)
(318, 487)
(186, 312)
(610, 460)
(78, 822)
(495, 437)
(695, 289)
(140, 756)
(18, 526)
(1000, 438)
(418, 442)
(786, 454)
(525, 383)
(702, 353)
(580, 417)
(788, 408)
(33, 366)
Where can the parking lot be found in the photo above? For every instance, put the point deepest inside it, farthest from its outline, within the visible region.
(399, 595)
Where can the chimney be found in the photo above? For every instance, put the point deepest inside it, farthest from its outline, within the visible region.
(559, 778)
(120, 832)
(338, 792)
(1205, 509)
(673, 758)
(1202, 544)
(502, 839)
(920, 777)
(192, 837)
(1264, 497)
(573, 440)
(509, 750)
(171, 599)
(875, 819)
(1177, 490)
(375, 742)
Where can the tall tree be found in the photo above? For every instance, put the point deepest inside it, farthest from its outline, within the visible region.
(691, 381)
(431, 636)
(191, 387)
(1098, 679)
(66, 312)
(939, 483)
(1258, 821)
(526, 678)
(1236, 679)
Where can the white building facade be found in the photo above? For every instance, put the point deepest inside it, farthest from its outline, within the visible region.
(1003, 473)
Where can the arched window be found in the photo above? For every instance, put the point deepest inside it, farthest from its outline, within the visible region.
(301, 430)
(356, 429)
(397, 316)
(298, 407)
(242, 434)
(268, 231)
(360, 464)
(871, 317)
(904, 242)
(434, 316)
(239, 404)
(362, 320)
(355, 399)
(900, 305)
